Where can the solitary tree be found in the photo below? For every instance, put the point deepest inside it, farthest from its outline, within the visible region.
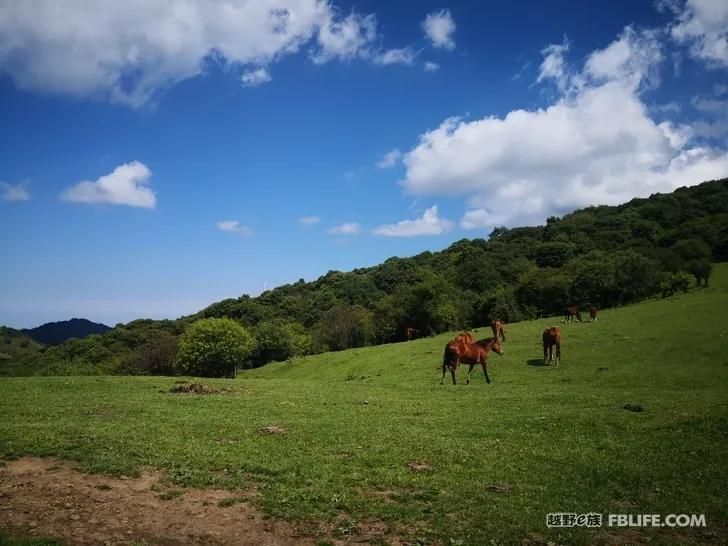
(214, 347)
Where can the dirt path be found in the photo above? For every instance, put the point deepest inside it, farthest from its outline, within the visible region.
(48, 498)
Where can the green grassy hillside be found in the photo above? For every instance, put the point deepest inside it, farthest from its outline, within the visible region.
(560, 438)
(14, 346)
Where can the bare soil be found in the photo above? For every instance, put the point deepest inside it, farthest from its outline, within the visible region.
(49, 498)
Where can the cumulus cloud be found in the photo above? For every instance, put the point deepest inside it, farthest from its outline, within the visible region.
(439, 27)
(14, 192)
(390, 159)
(308, 221)
(703, 24)
(429, 224)
(233, 226)
(431, 67)
(595, 144)
(350, 228)
(251, 78)
(632, 59)
(127, 52)
(125, 185)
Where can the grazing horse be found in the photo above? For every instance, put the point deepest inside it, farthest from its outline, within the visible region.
(458, 351)
(411, 333)
(593, 313)
(499, 329)
(571, 314)
(551, 338)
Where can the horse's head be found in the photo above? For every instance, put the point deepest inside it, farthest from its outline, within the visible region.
(496, 346)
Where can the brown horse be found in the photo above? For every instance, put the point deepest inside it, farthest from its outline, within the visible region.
(411, 333)
(593, 313)
(499, 329)
(551, 338)
(458, 351)
(571, 314)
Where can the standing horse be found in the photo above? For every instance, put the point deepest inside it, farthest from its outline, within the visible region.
(593, 313)
(411, 333)
(458, 351)
(499, 329)
(571, 314)
(551, 337)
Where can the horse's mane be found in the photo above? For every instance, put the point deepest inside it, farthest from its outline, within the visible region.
(487, 342)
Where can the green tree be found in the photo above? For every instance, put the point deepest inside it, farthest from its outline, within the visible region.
(345, 327)
(214, 347)
(276, 340)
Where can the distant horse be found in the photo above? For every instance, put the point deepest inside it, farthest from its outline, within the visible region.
(551, 337)
(593, 313)
(411, 333)
(499, 329)
(458, 351)
(571, 314)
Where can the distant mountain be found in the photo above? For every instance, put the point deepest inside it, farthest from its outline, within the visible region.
(55, 333)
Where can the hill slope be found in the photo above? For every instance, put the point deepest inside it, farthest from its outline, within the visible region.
(557, 438)
(606, 255)
(54, 333)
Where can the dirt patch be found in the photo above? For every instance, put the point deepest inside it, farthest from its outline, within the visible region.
(273, 429)
(419, 466)
(198, 388)
(499, 487)
(88, 509)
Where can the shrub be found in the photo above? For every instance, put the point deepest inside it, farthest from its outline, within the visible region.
(214, 347)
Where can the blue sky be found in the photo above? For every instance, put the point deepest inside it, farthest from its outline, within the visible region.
(159, 157)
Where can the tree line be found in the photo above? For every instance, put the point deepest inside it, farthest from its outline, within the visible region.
(605, 256)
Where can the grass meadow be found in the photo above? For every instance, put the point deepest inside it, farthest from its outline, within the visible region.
(550, 439)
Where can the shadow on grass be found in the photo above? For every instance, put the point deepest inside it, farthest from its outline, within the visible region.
(537, 362)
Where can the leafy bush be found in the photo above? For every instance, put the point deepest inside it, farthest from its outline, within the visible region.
(214, 347)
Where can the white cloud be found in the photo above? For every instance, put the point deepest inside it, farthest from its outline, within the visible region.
(127, 52)
(632, 59)
(126, 185)
(344, 38)
(596, 144)
(233, 226)
(350, 228)
(553, 65)
(703, 24)
(308, 221)
(403, 55)
(14, 192)
(431, 67)
(439, 27)
(429, 224)
(251, 78)
(390, 159)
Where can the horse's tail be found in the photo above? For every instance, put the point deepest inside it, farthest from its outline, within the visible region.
(446, 357)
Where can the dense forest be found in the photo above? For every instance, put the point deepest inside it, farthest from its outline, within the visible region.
(605, 256)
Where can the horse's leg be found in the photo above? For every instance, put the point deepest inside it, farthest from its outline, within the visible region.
(558, 352)
(453, 369)
(470, 371)
(484, 363)
(545, 354)
(442, 381)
